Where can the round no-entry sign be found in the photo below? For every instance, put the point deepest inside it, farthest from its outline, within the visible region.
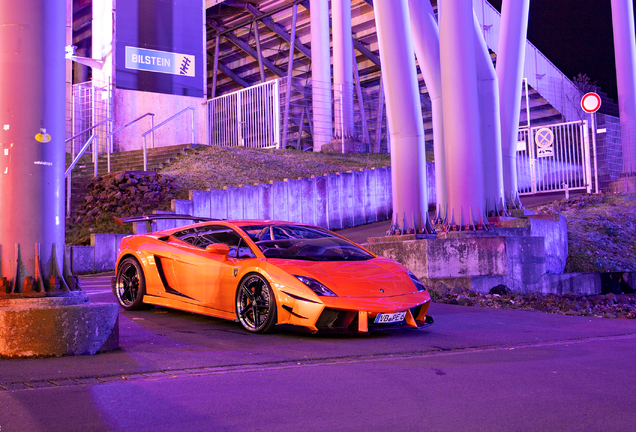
(591, 102)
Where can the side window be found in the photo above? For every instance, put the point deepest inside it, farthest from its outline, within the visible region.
(210, 234)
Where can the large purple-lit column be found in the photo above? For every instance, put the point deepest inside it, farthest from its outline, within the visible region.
(342, 66)
(462, 139)
(320, 73)
(32, 133)
(510, 59)
(488, 89)
(426, 41)
(625, 51)
(404, 112)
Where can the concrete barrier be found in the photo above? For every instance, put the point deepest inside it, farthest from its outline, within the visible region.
(57, 326)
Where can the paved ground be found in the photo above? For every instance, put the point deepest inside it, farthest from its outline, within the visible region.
(474, 369)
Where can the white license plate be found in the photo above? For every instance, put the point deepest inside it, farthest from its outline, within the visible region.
(387, 318)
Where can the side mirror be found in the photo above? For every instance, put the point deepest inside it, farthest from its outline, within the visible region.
(218, 249)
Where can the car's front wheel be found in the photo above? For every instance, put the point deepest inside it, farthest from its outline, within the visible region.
(256, 304)
(130, 285)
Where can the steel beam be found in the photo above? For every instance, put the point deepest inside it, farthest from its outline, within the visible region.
(276, 28)
(248, 49)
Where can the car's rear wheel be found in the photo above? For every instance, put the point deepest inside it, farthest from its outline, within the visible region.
(130, 285)
(256, 304)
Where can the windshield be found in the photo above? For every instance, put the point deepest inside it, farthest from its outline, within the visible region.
(303, 243)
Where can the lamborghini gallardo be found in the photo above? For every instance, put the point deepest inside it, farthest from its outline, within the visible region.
(264, 273)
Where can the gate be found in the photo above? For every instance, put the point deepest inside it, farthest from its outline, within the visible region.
(246, 118)
(554, 158)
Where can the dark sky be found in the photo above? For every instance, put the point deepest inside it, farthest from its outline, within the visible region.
(576, 35)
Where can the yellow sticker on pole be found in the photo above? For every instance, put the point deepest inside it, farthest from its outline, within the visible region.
(43, 137)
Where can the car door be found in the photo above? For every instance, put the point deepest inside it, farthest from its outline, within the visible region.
(203, 276)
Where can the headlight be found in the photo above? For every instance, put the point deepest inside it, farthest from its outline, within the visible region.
(419, 285)
(316, 286)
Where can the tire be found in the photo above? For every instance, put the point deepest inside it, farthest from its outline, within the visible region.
(256, 304)
(130, 285)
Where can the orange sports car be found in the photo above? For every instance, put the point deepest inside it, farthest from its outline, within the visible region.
(264, 273)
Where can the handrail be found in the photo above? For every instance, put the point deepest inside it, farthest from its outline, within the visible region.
(67, 173)
(161, 124)
(80, 154)
(110, 141)
(86, 130)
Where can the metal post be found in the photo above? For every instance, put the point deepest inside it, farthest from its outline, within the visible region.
(625, 52)
(32, 117)
(276, 108)
(378, 124)
(145, 157)
(68, 195)
(320, 74)
(511, 56)
(192, 137)
(152, 126)
(426, 42)
(489, 118)
(410, 200)
(95, 154)
(290, 70)
(363, 116)
(586, 150)
(215, 70)
(342, 55)
(461, 103)
(593, 124)
(257, 36)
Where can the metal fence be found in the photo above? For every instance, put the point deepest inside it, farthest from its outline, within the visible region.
(91, 103)
(554, 158)
(246, 118)
(275, 114)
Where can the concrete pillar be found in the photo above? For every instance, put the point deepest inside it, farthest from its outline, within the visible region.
(404, 112)
(426, 42)
(625, 52)
(461, 114)
(320, 73)
(488, 89)
(32, 133)
(510, 60)
(342, 66)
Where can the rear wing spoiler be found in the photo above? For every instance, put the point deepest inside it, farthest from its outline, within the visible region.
(153, 217)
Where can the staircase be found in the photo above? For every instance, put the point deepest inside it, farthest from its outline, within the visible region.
(157, 158)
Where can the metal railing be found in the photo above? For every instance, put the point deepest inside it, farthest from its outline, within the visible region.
(161, 124)
(110, 135)
(95, 149)
(554, 158)
(67, 173)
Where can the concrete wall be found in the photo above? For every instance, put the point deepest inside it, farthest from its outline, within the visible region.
(132, 104)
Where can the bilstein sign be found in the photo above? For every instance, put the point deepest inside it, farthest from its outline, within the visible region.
(159, 61)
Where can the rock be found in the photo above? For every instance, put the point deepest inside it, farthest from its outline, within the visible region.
(610, 315)
(610, 296)
(453, 302)
(572, 313)
(463, 300)
(456, 291)
(500, 289)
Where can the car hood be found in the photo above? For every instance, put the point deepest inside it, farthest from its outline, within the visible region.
(378, 277)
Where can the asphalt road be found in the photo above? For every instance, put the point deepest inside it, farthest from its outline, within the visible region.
(474, 369)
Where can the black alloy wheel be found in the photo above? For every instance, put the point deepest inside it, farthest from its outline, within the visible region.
(130, 285)
(255, 304)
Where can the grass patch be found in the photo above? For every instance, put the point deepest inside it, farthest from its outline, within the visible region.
(601, 231)
(215, 167)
